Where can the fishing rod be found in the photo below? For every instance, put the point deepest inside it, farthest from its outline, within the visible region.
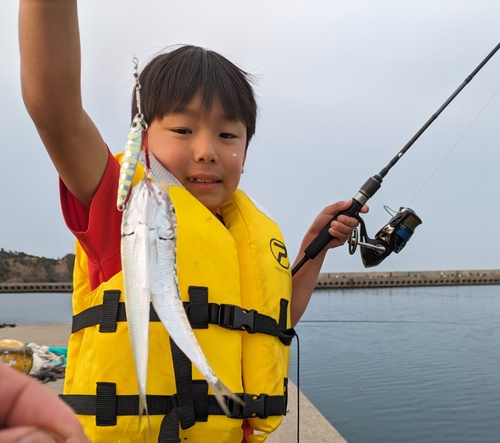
(398, 231)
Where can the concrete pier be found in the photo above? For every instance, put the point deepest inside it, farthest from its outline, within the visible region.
(313, 426)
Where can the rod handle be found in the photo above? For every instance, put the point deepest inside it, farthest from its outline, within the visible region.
(324, 237)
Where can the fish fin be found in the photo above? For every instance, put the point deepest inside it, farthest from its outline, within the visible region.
(219, 389)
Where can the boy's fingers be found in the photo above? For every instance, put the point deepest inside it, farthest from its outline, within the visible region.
(346, 222)
(332, 210)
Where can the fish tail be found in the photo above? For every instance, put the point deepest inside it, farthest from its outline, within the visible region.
(143, 410)
(220, 389)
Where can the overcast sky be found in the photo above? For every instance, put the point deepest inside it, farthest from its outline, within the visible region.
(342, 86)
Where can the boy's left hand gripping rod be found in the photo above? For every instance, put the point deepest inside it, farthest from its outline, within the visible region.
(366, 192)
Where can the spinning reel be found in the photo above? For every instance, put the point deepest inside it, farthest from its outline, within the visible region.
(392, 237)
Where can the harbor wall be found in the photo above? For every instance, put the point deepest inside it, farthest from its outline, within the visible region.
(331, 280)
(37, 287)
(387, 279)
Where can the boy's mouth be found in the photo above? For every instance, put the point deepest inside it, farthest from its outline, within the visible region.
(201, 180)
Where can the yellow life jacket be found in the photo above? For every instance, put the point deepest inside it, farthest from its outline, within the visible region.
(236, 284)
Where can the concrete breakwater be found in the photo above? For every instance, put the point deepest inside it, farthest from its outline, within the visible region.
(330, 280)
(387, 279)
(37, 287)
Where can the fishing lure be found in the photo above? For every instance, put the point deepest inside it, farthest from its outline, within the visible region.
(133, 146)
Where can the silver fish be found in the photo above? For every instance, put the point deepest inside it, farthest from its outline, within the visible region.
(149, 233)
(136, 245)
(168, 303)
(130, 157)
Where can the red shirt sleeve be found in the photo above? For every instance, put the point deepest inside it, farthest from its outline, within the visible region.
(98, 230)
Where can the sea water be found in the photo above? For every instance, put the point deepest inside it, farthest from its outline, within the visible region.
(404, 364)
(35, 308)
(382, 365)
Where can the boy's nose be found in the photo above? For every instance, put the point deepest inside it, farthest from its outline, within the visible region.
(205, 151)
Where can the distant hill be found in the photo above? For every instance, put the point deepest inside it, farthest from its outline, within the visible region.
(20, 267)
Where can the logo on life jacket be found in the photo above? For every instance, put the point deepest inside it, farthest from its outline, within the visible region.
(279, 252)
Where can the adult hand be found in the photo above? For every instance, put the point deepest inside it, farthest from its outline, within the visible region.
(31, 413)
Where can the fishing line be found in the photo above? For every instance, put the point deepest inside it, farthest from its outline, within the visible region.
(453, 147)
(131, 26)
(382, 321)
(298, 387)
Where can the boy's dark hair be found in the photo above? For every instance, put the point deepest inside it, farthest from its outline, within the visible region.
(171, 80)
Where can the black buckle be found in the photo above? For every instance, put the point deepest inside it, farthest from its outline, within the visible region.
(255, 406)
(234, 317)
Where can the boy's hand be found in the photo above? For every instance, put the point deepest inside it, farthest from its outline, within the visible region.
(340, 229)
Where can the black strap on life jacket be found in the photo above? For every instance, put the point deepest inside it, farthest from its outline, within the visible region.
(106, 406)
(183, 385)
(199, 311)
(191, 402)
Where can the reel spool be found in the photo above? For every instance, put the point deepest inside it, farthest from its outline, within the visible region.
(392, 237)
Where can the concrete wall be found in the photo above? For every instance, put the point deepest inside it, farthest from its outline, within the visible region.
(412, 278)
(36, 287)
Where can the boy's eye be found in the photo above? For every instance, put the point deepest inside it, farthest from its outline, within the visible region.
(183, 131)
(227, 135)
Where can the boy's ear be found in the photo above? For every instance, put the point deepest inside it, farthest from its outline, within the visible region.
(243, 163)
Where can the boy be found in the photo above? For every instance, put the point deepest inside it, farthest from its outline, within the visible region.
(231, 261)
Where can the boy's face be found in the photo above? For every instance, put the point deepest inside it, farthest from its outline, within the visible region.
(204, 151)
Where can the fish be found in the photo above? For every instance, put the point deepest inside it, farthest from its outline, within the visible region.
(168, 304)
(128, 165)
(136, 245)
(149, 235)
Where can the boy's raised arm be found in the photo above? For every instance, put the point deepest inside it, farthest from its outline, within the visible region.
(50, 80)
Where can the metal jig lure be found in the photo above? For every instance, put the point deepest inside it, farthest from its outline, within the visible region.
(133, 146)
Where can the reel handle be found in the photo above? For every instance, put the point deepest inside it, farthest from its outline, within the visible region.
(324, 237)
